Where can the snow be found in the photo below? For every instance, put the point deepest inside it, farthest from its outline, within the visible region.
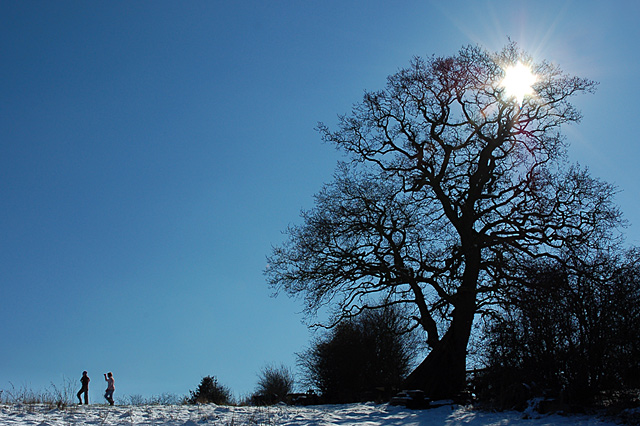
(350, 414)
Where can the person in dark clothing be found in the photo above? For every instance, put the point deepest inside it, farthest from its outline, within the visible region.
(85, 388)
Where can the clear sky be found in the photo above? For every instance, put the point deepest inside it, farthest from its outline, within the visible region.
(152, 152)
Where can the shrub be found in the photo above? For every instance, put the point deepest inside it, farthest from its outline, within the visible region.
(274, 384)
(210, 391)
(573, 335)
(364, 358)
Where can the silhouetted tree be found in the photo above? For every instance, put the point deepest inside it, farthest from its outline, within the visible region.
(210, 391)
(571, 329)
(453, 184)
(274, 384)
(360, 358)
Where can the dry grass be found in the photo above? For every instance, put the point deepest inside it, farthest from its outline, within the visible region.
(58, 396)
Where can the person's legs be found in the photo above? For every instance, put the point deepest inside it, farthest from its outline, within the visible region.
(78, 395)
(109, 396)
(86, 396)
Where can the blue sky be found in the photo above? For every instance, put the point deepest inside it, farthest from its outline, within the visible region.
(151, 153)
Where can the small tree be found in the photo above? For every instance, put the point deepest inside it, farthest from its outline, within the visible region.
(274, 384)
(210, 391)
(360, 356)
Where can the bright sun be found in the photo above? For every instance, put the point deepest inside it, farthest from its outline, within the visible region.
(518, 81)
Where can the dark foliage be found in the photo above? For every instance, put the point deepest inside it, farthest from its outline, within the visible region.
(210, 391)
(360, 359)
(570, 335)
(274, 384)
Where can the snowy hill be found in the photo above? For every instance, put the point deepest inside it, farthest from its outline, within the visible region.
(350, 414)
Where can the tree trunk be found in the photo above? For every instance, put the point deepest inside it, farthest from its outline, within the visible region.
(442, 375)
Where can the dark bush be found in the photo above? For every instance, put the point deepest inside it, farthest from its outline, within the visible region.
(570, 334)
(364, 358)
(274, 384)
(210, 391)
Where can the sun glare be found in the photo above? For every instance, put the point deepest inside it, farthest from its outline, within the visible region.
(518, 81)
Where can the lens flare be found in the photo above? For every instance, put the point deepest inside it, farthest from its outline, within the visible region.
(518, 81)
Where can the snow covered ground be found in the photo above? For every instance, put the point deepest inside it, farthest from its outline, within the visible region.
(351, 414)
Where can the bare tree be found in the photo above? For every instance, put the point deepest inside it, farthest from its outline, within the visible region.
(453, 184)
(571, 330)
